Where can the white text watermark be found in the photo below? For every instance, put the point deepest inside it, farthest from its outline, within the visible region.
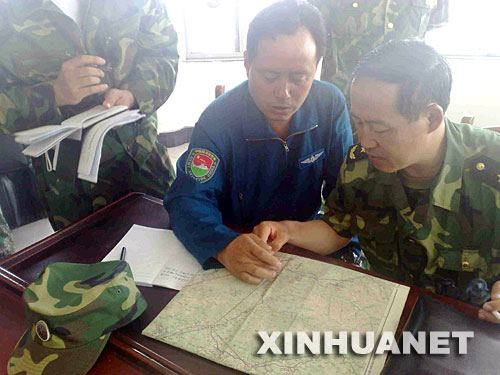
(343, 342)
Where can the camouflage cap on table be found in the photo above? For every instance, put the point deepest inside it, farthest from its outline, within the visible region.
(72, 309)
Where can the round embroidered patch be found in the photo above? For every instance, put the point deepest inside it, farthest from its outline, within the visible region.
(42, 330)
(201, 164)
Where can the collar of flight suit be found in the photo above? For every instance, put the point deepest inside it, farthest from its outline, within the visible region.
(256, 126)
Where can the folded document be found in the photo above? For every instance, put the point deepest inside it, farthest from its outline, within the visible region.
(90, 127)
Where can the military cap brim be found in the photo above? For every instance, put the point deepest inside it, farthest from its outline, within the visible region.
(29, 357)
(71, 309)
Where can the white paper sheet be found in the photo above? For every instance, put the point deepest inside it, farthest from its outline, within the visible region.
(156, 257)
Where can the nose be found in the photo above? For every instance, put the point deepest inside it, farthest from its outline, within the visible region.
(366, 138)
(282, 88)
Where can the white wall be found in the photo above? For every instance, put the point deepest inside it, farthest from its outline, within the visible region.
(195, 90)
(196, 80)
(476, 87)
(476, 90)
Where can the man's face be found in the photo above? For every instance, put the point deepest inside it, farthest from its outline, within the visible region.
(281, 74)
(391, 141)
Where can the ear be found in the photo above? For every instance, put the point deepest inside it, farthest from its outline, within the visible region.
(435, 116)
(246, 62)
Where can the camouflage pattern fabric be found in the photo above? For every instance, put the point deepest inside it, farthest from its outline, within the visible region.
(119, 174)
(138, 40)
(449, 242)
(72, 309)
(6, 242)
(356, 27)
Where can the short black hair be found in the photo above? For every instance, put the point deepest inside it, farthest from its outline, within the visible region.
(286, 17)
(423, 75)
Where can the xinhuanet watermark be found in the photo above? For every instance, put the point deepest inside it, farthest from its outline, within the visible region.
(343, 342)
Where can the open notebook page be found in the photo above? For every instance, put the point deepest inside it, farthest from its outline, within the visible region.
(156, 257)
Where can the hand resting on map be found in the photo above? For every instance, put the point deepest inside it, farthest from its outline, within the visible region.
(250, 259)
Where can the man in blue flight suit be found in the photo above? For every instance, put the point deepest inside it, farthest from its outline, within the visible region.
(263, 150)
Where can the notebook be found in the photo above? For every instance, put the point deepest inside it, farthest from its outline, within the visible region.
(156, 257)
(89, 127)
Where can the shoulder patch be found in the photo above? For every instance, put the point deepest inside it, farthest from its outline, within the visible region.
(201, 164)
(355, 153)
(485, 169)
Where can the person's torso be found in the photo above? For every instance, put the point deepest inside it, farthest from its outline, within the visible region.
(356, 27)
(430, 245)
(40, 39)
(269, 178)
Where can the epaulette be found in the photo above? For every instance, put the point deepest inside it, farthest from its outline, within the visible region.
(485, 169)
(355, 153)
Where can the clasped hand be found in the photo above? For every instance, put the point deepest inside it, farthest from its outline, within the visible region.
(80, 77)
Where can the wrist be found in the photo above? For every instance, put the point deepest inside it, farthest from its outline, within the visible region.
(290, 228)
(58, 98)
(219, 256)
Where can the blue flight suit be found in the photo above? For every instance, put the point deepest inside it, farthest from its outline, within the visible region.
(249, 174)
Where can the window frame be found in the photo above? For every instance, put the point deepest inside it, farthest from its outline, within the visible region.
(239, 47)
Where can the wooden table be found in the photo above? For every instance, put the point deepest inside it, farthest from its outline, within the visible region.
(88, 241)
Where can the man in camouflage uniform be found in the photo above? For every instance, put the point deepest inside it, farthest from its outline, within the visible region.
(357, 27)
(421, 193)
(71, 311)
(52, 67)
(6, 243)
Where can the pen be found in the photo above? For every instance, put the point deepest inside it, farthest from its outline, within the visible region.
(105, 68)
(122, 255)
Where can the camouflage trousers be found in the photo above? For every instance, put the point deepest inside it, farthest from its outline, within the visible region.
(6, 242)
(67, 201)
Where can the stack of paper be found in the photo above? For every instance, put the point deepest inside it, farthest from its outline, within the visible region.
(90, 154)
(98, 121)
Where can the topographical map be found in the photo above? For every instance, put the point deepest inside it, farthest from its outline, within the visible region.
(218, 317)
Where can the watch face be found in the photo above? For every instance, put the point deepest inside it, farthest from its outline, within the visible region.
(42, 330)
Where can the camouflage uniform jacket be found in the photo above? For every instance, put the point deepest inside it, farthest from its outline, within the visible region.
(135, 37)
(443, 244)
(355, 27)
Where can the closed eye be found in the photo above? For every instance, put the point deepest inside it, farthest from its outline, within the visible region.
(298, 78)
(271, 76)
(382, 131)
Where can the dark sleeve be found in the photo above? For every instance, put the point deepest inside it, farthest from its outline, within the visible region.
(193, 203)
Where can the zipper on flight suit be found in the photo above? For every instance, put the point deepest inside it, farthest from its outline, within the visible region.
(283, 142)
(243, 213)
